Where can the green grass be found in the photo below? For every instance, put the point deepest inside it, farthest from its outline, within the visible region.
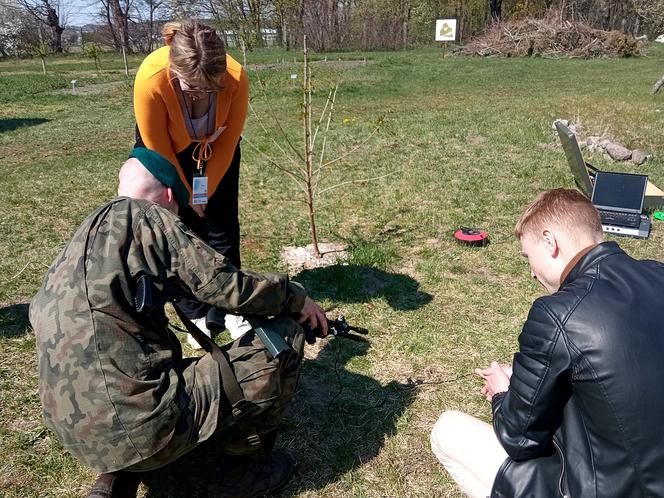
(467, 142)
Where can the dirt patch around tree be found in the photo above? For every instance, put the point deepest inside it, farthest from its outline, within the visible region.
(303, 258)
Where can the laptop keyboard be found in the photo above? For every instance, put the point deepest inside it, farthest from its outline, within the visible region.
(632, 220)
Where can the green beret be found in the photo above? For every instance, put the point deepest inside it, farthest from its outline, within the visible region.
(164, 171)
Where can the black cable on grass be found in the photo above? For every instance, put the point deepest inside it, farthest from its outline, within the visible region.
(412, 385)
(361, 414)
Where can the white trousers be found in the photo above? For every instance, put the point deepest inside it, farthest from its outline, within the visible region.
(469, 450)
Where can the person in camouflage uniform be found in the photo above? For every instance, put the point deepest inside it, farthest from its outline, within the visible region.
(113, 383)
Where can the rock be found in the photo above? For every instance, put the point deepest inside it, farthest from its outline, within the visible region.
(618, 152)
(660, 39)
(639, 156)
(591, 143)
(642, 38)
(595, 144)
(563, 121)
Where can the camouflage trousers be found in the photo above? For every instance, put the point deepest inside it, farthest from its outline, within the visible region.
(267, 383)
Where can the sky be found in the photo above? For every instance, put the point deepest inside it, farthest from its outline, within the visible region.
(81, 12)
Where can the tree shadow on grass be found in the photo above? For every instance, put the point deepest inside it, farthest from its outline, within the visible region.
(359, 283)
(14, 320)
(337, 421)
(13, 123)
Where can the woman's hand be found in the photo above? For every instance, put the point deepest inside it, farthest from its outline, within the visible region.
(199, 209)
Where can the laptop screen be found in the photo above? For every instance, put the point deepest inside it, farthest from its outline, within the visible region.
(619, 191)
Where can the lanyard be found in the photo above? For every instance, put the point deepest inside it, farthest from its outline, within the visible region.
(201, 154)
(203, 149)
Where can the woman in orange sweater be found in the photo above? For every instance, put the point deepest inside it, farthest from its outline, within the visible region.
(190, 102)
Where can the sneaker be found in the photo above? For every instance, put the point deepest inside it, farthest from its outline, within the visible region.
(251, 476)
(115, 485)
(236, 325)
(200, 323)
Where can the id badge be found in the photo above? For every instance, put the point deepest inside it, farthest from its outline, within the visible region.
(199, 190)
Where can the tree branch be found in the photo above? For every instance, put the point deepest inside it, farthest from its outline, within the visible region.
(366, 139)
(271, 111)
(327, 128)
(320, 120)
(267, 133)
(296, 178)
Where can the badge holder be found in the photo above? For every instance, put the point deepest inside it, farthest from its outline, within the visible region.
(199, 189)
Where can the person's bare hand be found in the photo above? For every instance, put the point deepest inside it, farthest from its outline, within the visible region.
(199, 209)
(315, 315)
(496, 379)
(507, 369)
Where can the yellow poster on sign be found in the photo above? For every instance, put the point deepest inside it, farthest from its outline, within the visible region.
(446, 29)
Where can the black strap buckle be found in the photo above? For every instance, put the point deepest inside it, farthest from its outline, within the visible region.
(241, 409)
(253, 441)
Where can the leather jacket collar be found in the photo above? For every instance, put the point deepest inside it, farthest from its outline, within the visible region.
(596, 254)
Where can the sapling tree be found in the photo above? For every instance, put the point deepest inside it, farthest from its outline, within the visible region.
(307, 162)
(41, 50)
(93, 51)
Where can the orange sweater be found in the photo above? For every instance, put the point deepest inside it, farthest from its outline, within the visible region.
(161, 121)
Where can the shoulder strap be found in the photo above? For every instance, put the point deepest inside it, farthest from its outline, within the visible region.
(241, 409)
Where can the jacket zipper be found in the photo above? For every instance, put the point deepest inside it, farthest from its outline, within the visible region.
(562, 470)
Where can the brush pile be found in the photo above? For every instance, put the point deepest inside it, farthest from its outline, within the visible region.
(553, 39)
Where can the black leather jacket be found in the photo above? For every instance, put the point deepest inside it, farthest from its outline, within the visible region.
(584, 414)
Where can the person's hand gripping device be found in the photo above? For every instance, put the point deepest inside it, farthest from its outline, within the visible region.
(151, 297)
(338, 328)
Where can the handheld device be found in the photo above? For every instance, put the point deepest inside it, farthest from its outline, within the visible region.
(338, 328)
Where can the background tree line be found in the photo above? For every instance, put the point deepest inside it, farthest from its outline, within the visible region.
(329, 24)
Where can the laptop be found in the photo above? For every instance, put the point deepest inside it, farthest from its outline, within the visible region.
(619, 199)
(584, 178)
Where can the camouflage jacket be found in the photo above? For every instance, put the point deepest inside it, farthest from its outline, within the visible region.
(111, 385)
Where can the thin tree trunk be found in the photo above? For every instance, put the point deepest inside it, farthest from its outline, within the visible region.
(120, 20)
(308, 160)
(111, 27)
(150, 42)
(124, 59)
(53, 21)
(284, 34)
(405, 24)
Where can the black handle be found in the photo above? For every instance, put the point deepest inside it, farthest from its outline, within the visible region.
(337, 328)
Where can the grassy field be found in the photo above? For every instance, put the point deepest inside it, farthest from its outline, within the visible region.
(467, 142)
